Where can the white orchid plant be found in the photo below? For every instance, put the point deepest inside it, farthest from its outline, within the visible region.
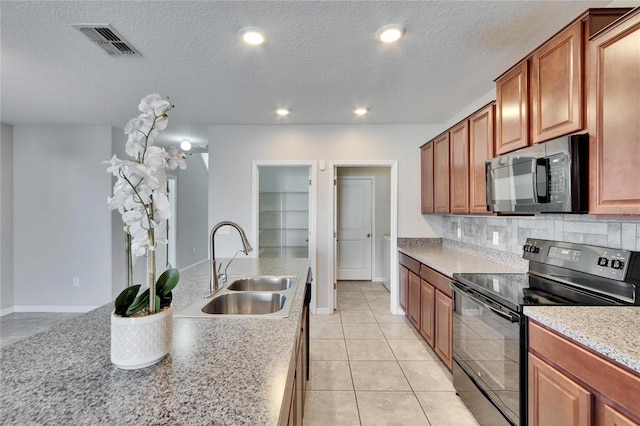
(140, 195)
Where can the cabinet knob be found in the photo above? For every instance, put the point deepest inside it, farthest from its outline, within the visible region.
(368, 235)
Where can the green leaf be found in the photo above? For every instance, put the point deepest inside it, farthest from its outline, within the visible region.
(124, 300)
(141, 302)
(167, 281)
(166, 300)
(157, 300)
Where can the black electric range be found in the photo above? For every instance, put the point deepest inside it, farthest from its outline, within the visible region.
(490, 330)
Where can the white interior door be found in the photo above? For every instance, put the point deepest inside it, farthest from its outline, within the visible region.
(354, 228)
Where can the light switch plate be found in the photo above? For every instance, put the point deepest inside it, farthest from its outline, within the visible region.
(496, 238)
(459, 232)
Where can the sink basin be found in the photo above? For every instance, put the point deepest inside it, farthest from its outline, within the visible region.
(245, 303)
(261, 284)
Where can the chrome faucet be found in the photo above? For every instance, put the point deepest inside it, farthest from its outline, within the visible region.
(214, 277)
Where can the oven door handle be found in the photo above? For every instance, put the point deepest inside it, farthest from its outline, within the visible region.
(479, 299)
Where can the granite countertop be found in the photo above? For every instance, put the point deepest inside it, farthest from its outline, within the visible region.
(222, 371)
(448, 261)
(612, 331)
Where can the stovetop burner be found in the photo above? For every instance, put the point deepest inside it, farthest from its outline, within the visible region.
(563, 274)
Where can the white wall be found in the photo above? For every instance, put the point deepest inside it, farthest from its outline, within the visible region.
(62, 226)
(6, 219)
(192, 212)
(233, 148)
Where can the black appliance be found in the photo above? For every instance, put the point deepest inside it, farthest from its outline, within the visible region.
(550, 177)
(490, 330)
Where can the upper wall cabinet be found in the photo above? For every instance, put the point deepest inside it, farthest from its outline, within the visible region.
(512, 109)
(426, 178)
(557, 87)
(459, 168)
(614, 118)
(441, 173)
(543, 97)
(481, 139)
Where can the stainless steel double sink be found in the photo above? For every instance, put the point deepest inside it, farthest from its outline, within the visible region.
(264, 297)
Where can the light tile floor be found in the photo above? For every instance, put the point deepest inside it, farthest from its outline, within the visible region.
(20, 325)
(369, 367)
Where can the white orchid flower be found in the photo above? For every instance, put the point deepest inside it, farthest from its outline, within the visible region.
(139, 193)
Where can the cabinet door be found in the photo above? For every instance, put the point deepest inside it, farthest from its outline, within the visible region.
(557, 72)
(427, 311)
(459, 168)
(613, 417)
(441, 173)
(414, 299)
(554, 399)
(426, 178)
(614, 127)
(403, 282)
(512, 109)
(481, 140)
(444, 328)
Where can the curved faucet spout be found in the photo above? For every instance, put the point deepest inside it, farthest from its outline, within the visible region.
(246, 248)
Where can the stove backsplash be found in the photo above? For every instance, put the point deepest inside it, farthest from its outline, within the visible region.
(513, 231)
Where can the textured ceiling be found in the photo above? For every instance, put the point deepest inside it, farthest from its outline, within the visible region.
(321, 59)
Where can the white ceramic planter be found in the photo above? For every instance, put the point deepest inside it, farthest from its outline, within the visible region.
(141, 341)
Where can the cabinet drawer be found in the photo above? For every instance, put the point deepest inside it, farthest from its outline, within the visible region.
(436, 279)
(409, 263)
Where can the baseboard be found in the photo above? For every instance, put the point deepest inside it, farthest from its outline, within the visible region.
(324, 311)
(53, 308)
(379, 279)
(6, 311)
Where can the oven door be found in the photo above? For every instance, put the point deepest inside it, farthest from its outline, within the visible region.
(489, 349)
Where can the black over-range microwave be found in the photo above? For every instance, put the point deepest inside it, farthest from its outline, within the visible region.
(551, 177)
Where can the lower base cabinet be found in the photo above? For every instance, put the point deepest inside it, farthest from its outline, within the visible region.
(570, 385)
(428, 305)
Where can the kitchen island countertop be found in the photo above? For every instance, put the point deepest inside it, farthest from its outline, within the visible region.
(611, 331)
(221, 371)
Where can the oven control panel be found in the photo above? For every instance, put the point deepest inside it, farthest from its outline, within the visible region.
(601, 261)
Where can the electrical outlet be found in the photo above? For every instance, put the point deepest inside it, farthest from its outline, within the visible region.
(459, 232)
(496, 238)
(76, 281)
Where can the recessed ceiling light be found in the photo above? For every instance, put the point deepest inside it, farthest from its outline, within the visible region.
(360, 111)
(185, 145)
(252, 36)
(390, 33)
(282, 112)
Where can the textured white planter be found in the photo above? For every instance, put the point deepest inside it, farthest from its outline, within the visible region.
(141, 341)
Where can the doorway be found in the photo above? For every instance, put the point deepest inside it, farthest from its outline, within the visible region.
(363, 193)
(355, 218)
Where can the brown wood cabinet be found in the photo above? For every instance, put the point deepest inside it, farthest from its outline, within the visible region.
(403, 284)
(512, 109)
(444, 328)
(441, 173)
(427, 312)
(544, 95)
(555, 399)
(297, 382)
(557, 94)
(614, 123)
(413, 299)
(571, 385)
(430, 306)
(459, 168)
(426, 178)
(481, 140)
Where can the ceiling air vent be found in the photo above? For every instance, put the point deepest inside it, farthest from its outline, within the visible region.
(107, 38)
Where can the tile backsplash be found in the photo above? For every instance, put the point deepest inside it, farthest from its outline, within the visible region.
(512, 231)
